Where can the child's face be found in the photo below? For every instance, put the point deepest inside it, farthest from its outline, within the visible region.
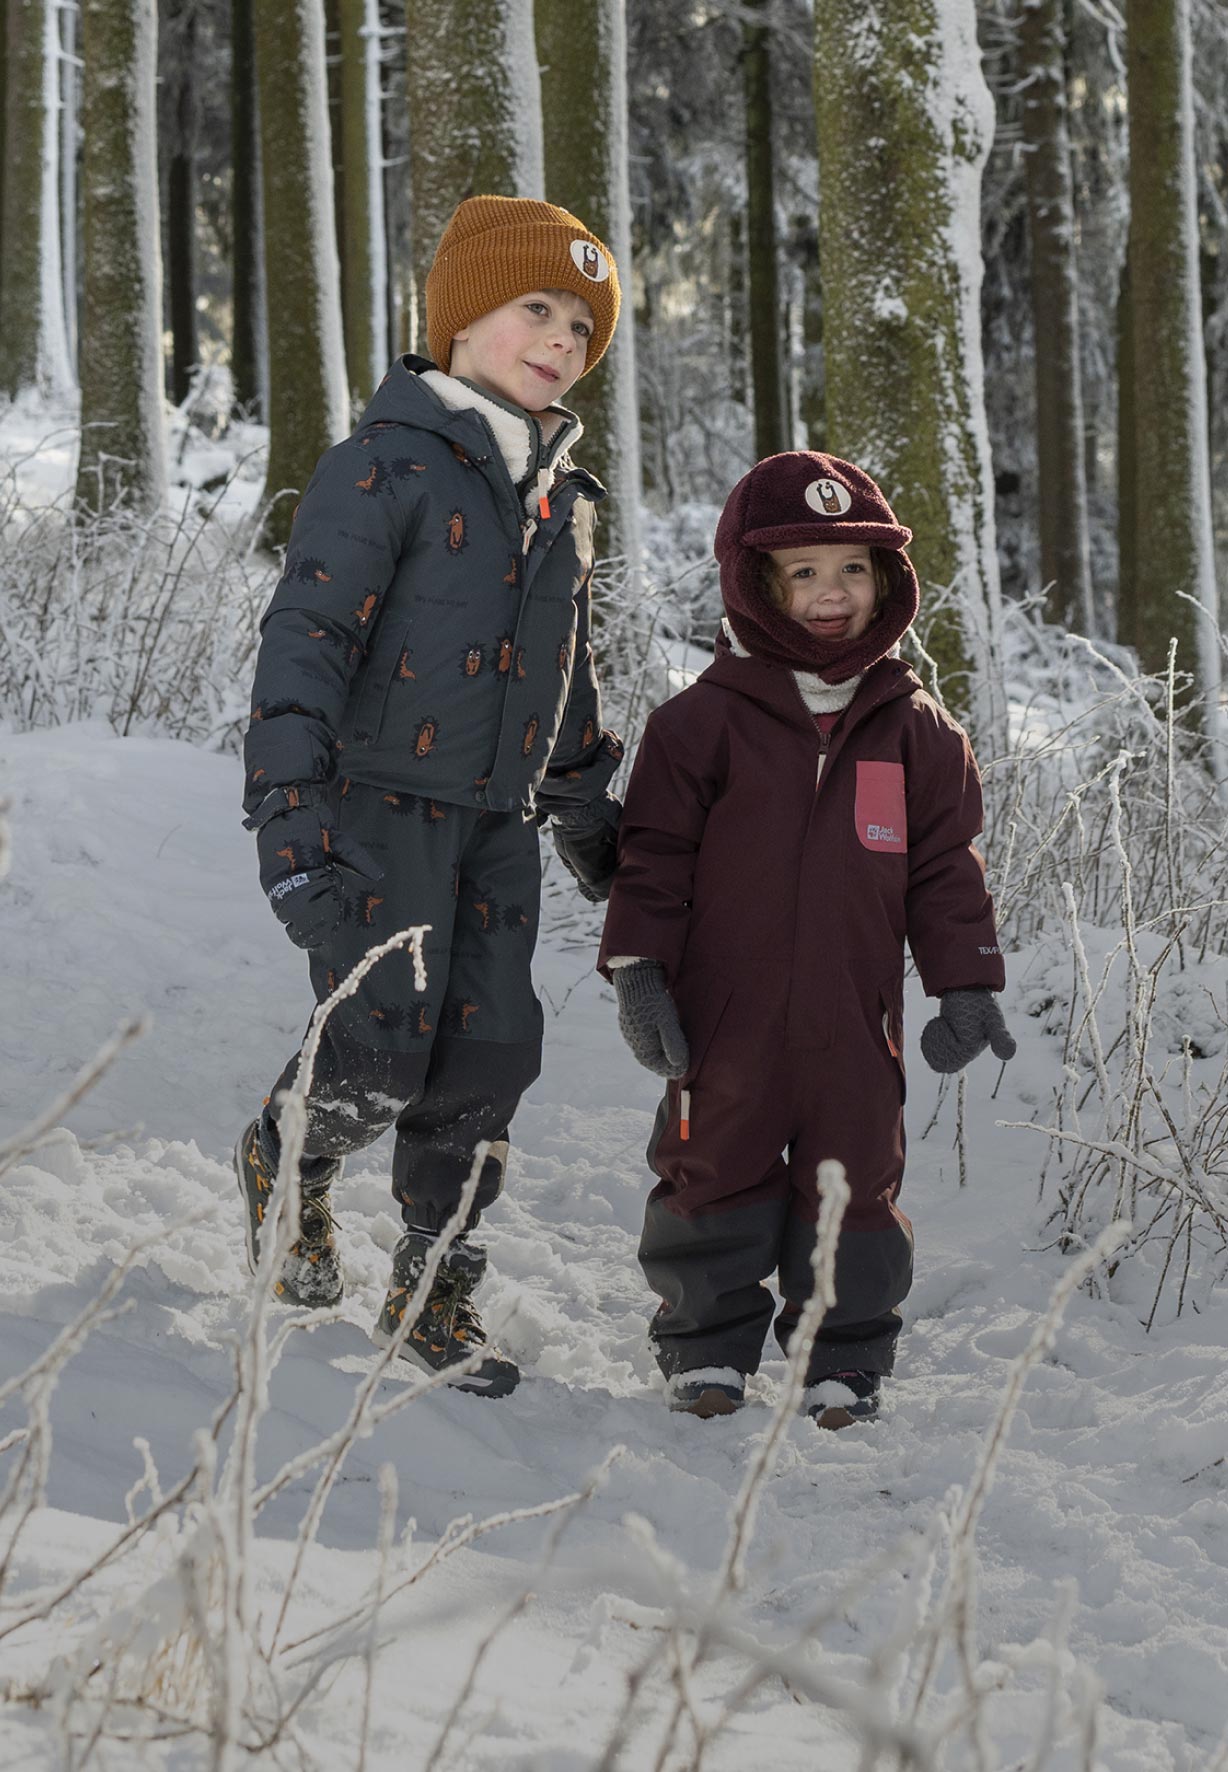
(829, 588)
(530, 351)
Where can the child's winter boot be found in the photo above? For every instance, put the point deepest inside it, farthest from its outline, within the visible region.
(311, 1273)
(447, 1329)
(707, 1391)
(843, 1398)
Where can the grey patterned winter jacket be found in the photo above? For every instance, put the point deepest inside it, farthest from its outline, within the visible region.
(427, 634)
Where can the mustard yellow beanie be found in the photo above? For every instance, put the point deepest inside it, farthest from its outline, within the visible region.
(496, 248)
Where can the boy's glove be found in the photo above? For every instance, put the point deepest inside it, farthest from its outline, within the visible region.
(968, 1021)
(648, 1020)
(306, 867)
(586, 838)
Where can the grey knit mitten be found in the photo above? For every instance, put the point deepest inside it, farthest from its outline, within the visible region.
(648, 1020)
(967, 1022)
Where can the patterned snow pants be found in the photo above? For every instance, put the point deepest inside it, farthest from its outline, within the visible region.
(447, 1065)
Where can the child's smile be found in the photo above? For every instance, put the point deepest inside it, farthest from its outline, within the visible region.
(830, 587)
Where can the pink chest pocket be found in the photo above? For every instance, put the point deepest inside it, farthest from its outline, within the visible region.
(882, 813)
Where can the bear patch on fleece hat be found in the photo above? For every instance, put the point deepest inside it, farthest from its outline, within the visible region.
(496, 248)
(793, 500)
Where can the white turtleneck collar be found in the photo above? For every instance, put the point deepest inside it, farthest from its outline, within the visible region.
(819, 697)
(515, 433)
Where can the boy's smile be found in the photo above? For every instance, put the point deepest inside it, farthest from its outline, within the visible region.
(530, 351)
(830, 587)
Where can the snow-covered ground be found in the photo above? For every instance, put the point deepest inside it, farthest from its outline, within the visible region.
(133, 889)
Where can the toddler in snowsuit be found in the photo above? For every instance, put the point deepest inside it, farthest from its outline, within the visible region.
(792, 818)
(424, 697)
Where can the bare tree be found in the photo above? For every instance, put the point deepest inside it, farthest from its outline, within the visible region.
(123, 431)
(766, 320)
(364, 260)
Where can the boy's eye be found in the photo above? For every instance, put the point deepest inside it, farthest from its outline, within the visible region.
(537, 307)
(583, 328)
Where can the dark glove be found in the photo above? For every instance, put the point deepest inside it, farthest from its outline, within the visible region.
(586, 838)
(966, 1023)
(647, 1019)
(307, 869)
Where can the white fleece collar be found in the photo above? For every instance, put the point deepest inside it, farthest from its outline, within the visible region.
(819, 697)
(514, 435)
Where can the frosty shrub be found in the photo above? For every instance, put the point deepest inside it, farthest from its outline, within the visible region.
(146, 622)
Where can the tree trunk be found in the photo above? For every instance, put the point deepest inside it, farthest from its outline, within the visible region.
(584, 114)
(123, 432)
(247, 273)
(33, 337)
(1127, 466)
(1065, 555)
(486, 139)
(308, 407)
(1174, 556)
(181, 200)
(70, 103)
(766, 316)
(365, 257)
(905, 125)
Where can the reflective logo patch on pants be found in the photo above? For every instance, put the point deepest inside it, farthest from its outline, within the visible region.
(881, 809)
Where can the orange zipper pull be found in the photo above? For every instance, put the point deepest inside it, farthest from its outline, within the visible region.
(543, 506)
(684, 1119)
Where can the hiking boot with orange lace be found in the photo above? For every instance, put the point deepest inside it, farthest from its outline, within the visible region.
(311, 1273)
(447, 1330)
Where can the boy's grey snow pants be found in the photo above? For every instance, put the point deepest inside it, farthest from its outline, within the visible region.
(446, 1065)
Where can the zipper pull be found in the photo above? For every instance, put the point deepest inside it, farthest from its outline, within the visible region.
(684, 1114)
(543, 506)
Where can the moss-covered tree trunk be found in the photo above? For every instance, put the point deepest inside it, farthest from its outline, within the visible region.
(767, 320)
(905, 122)
(1174, 558)
(123, 429)
(364, 257)
(474, 114)
(582, 48)
(1065, 555)
(246, 253)
(33, 337)
(308, 403)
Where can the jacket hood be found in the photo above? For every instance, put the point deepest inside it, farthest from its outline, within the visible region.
(792, 500)
(406, 396)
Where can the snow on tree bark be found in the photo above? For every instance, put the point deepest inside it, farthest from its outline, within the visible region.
(474, 114)
(582, 46)
(308, 405)
(905, 122)
(1173, 546)
(1065, 555)
(33, 336)
(767, 331)
(365, 256)
(123, 431)
(246, 261)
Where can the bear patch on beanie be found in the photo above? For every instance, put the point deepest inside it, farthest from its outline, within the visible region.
(496, 248)
(794, 500)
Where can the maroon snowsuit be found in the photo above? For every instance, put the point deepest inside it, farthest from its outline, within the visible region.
(780, 911)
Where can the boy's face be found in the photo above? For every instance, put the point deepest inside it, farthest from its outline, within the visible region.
(830, 588)
(530, 351)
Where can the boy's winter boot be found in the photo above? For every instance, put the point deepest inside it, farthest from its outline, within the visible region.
(448, 1329)
(843, 1398)
(711, 1390)
(311, 1273)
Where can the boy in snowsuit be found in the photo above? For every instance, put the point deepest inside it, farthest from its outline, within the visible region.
(792, 818)
(424, 697)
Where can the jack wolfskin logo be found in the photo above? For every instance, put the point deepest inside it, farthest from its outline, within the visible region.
(881, 833)
(291, 884)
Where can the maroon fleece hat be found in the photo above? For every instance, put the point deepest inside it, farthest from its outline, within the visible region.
(791, 501)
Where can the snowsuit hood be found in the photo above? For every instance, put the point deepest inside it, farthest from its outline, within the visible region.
(795, 499)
